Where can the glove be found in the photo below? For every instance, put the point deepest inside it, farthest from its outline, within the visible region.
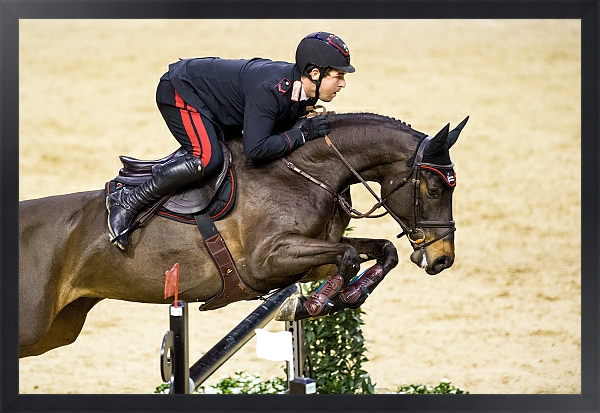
(315, 127)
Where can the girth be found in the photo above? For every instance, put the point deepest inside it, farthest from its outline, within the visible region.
(233, 288)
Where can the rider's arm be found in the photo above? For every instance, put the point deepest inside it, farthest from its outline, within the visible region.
(260, 116)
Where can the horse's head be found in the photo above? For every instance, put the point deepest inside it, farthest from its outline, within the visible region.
(422, 200)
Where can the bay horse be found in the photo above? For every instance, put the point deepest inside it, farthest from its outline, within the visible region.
(286, 226)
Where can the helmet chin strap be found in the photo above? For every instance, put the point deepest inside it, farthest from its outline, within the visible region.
(318, 82)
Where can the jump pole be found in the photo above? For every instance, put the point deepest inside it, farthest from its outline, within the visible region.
(239, 336)
(174, 353)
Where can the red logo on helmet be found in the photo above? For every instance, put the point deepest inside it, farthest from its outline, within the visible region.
(338, 44)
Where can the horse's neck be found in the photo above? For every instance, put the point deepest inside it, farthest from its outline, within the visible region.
(363, 148)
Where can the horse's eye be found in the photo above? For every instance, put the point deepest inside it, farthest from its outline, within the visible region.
(434, 193)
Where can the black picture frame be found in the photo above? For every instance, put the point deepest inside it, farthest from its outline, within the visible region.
(587, 11)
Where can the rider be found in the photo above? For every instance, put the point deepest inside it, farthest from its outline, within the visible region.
(204, 100)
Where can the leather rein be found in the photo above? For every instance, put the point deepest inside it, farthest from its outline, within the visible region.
(413, 230)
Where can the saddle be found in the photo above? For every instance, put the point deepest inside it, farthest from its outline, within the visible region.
(190, 199)
(197, 203)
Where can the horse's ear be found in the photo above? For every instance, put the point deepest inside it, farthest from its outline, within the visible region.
(453, 134)
(438, 143)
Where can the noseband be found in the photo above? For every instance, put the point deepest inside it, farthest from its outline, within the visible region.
(413, 230)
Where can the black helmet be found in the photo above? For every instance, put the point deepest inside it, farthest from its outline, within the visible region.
(324, 50)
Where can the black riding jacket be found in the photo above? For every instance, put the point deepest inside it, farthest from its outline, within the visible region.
(253, 96)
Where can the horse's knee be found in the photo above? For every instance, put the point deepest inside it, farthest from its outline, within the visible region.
(381, 250)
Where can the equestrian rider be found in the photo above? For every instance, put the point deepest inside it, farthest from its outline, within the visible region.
(204, 100)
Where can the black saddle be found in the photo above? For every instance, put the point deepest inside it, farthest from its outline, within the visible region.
(190, 199)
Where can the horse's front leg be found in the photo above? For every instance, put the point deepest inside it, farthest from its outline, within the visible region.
(381, 250)
(297, 254)
(354, 294)
(384, 252)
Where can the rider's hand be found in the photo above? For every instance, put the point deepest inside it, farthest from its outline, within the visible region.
(315, 127)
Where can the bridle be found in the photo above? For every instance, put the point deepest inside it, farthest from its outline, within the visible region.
(418, 222)
(413, 229)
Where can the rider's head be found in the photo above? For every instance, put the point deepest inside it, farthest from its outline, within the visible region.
(320, 54)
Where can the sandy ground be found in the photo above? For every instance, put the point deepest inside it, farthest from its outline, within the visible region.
(505, 319)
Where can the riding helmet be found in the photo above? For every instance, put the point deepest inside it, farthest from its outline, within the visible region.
(324, 50)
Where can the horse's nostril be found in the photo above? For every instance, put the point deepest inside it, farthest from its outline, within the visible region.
(442, 263)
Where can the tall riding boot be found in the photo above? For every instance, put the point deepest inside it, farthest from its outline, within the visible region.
(124, 205)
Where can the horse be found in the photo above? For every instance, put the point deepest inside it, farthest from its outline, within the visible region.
(287, 226)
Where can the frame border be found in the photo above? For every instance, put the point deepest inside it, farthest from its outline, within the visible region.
(585, 10)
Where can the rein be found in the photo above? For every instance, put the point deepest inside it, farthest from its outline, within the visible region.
(409, 230)
(339, 199)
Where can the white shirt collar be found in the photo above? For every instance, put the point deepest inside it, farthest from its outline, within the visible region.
(302, 94)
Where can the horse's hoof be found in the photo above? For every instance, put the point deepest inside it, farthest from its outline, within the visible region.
(290, 307)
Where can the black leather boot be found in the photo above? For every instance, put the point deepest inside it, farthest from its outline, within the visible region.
(124, 205)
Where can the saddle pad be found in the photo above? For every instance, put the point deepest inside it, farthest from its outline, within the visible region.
(219, 207)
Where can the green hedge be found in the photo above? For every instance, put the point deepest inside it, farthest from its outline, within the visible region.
(337, 352)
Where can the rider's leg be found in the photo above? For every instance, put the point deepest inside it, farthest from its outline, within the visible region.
(124, 205)
(194, 131)
(198, 136)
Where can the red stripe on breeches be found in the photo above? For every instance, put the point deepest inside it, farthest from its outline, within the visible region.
(195, 130)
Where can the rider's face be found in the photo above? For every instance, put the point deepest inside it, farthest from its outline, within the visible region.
(331, 85)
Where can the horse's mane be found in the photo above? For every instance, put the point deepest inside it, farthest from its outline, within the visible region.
(366, 118)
